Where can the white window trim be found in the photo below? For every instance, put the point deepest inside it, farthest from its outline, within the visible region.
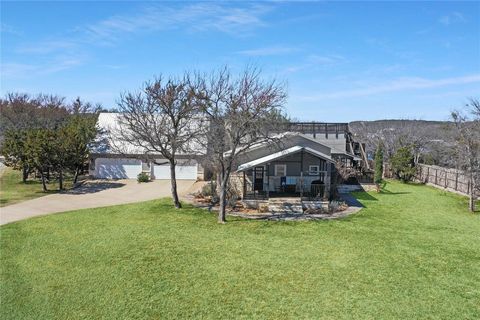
(314, 172)
(284, 166)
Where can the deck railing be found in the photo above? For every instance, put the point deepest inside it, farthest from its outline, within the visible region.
(315, 127)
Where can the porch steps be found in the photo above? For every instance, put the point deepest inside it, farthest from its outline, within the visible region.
(285, 206)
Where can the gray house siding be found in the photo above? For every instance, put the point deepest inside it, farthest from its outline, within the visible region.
(287, 142)
(294, 166)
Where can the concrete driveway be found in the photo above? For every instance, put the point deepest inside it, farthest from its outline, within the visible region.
(92, 194)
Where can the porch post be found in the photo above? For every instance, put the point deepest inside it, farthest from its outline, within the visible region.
(320, 171)
(301, 184)
(268, 180)
(301, 173)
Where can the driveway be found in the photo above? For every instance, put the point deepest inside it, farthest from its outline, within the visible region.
(93, 194)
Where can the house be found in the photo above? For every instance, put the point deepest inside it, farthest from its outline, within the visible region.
(112, 158)
(299, 162)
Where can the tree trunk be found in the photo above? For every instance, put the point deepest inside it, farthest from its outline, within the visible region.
(60, 179)
(471, 200)
(75, 178)
(25, 173)
(223, 197)
(44, 184)
(173, 181)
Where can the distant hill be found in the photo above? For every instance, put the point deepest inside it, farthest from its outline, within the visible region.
(435, 130)
(435, 137)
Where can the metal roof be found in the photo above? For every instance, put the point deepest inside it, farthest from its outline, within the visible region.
(282, 154)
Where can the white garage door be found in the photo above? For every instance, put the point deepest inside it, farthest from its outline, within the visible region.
(117, 168)
(182, 172)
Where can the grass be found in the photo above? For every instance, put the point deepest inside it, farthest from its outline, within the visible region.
(13, 190)
(413, 252)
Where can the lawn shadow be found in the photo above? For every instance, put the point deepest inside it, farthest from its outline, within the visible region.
(387, 192)
(363, 195)
(94, 187)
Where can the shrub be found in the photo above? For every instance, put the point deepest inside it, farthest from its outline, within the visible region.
(209, 189)
(233, 195)
(403, 165)
(143, 177)
(378, 166)
(335, 206)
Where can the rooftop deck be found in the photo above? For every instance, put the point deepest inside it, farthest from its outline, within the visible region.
(316, 127)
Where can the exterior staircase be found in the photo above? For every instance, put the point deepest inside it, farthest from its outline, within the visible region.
(285, 206)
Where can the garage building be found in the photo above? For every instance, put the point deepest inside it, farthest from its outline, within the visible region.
(116, 160)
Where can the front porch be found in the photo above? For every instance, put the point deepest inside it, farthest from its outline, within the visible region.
(296, 173)
(308, 188)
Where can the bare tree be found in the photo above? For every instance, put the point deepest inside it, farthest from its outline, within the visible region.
(241, 111)
(393, 135)
(161, 120)
(467, 130)
(425, 138)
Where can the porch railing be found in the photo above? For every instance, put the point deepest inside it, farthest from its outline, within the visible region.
(305, 189)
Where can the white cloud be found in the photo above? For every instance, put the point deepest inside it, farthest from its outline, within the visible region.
(269, 51)
(451, 18)
(400, 84)
(192, 17)
(5, 28)
(48, 46)
(24, 70)
(202, 17)
(315, 60)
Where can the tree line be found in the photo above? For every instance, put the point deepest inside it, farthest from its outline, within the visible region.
(46, 136)
(405, 143)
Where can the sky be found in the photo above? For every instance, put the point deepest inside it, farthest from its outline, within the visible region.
(340, 61)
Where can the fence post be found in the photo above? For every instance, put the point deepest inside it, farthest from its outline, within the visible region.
(456, 181)
(446, 177)
(428, 174)
(436, 175)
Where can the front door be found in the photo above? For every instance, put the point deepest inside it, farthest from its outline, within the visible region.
(258, 178)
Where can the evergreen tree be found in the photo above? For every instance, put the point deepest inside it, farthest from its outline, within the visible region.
(403, 165)
(378, 167)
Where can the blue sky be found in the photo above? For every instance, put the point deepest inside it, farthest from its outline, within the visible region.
(341, 61)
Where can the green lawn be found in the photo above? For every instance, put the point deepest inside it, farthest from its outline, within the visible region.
(13, 190)
(412, 253)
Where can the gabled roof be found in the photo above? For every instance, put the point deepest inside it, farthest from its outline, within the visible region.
(280, 136)
(282, 154)
(110, 140)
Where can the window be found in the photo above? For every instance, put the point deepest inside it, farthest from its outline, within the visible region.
(281, 170)
(313, 170)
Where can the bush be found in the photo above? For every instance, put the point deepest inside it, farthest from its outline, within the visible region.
(209, 190)
(378, 166)
(233, 195)
(403, 165)
(335, 206)
(143, 177)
